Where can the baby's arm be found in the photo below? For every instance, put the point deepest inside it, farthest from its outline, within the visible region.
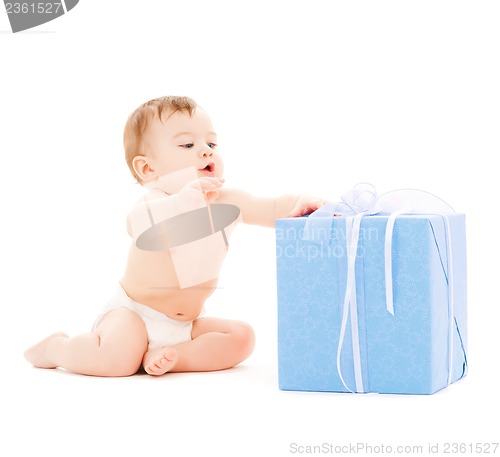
(264, 211)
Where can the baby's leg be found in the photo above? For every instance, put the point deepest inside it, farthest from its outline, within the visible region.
(216, 344)
(115, 348)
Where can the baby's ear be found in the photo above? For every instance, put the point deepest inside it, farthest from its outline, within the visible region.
(143, 167)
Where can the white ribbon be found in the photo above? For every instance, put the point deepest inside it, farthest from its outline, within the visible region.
(350, 304)
(362, 201)
(451, 297)
(389, 230)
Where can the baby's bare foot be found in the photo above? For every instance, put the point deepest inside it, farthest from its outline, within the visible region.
(158, 361)
(37, 354)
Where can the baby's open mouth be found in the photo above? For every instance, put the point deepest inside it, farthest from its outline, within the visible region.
(209, 168)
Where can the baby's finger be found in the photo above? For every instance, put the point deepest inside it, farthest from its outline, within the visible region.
(208, 184)
(212, 195)
(296, 211)
(218, 181)
(306, 207)
(318, 203)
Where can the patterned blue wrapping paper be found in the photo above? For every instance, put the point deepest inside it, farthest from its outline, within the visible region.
(404, 353)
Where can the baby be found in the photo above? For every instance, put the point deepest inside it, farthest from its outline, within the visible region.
(155, 319)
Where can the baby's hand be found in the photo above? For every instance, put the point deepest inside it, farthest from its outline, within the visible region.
(207, 186)
(306, 204)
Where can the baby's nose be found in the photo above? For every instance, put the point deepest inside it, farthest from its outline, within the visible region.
(206, 151)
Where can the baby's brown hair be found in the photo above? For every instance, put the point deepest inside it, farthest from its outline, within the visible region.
(138, 121)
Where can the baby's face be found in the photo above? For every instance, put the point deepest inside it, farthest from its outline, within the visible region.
(184, 141)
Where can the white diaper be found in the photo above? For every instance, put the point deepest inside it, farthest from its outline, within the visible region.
(161, 329)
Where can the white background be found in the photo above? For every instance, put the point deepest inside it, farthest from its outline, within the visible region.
(306, 97)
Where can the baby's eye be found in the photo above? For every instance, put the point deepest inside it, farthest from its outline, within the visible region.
(212, 145)
(187, 145)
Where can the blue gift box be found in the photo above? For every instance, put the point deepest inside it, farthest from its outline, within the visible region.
(419, 349)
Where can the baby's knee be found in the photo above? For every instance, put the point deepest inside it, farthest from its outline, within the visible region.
(127, 365)
(122, 342)
(244, 338)
(123, 359)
